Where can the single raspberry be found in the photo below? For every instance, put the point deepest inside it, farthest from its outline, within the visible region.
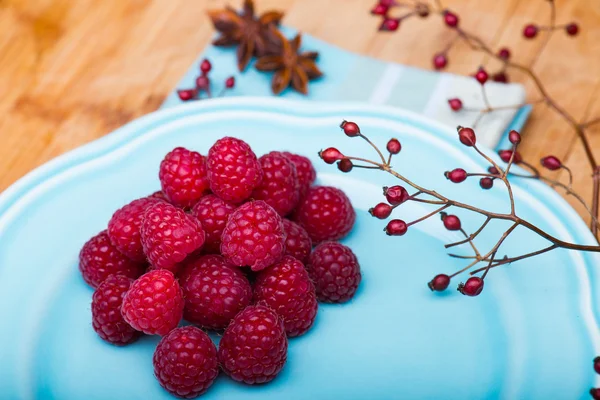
(154, 303)
(286, 288)
(99, 259)
(106, 311)
(297, 242)
(169, 235)
(214, 292)
(279, 186)
(326, 213)
(335, 271)
(304, 170)
(124, 227)
(253, 236)
(253, 348)
(233, 170)
(185, 362)
(182, 177)
(213, 213)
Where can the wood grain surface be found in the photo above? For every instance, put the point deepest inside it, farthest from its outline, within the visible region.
(74, 70)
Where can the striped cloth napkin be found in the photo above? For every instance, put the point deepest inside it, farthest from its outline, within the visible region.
(352, 77)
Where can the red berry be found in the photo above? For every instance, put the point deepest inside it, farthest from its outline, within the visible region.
(457, 175)
(393, 146)
(304, 170)
(326, 213)
(351, 129)
(396, 227)
(202, 83)
(345, 165)
(286, 288)
(506, 154)
(493, 171)
(154, 303)
(481, 75)
(331, 155)
(253, 348)
(253, 236)
(467, 136)
(504, 53)
(169, 235)
(395, 195)
(381, 211)
(279, 186)
(572, 29)
(530, 31)
(551, 162)
(514, 137)
(486, 183)
(106, 311)
(335, 271)
(297, 242)
(455, 104)
(185, 362)
(595, 393)
(214, 292)
(187, 94)
(230, 82)
(380, 9)
(472, 287)
(233, 170)
(500, 77)
(212, 212)
(124, 227)
(99, 259)
(440, 60)
(388, 3)
(205, 66)
(182, 177)
(597, 365)
(451, 222)
(439, 283)
(390, 24)
(450, 19)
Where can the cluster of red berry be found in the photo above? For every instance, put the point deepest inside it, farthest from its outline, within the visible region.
(227, 244)
(203, 84)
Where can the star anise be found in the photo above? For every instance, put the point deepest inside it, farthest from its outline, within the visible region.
(291, 68)
(249, 32)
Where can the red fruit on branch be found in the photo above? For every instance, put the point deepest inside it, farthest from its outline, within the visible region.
(331, 155)
(595, 393)
(387, 3)
(205, 66)
(393, 146)
(351, 129)
(481, 75)
(457, 175)
(345, 165)
(597, 365)
(202, 82)
(500, 77)
(572, 29)
(504, 53)
(486, 183)
(439, 283)
(467, 136)
(186, 94)
(455, 104)
(514, 137)
(451, 222)
(530, 31)
(381, 211)
(440, 61)
(551, 162)
(451, 19)
(230, 82)
(390, 24)
(380, 9)
(493, 171)
(395, 195)
(396, 227)
(506, 154)
(472, 287)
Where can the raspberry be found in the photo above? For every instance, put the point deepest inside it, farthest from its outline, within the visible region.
(185, 362)
(233, 170)
(124, 227)
(99, 259)
(304, 170)
(279, 187)
(214, 292)
(106, 311)
(169, 235)
(335, 272)
(297, 242)
(326, 213)
(154, 303)
(286, 288)
(159, 195)
(213, 213)
(253, 236)
(182, 177)
(253, 348)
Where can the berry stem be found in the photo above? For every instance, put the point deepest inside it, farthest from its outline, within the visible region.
(470, 237)
(431, 214)
(470, 240)
(507, 260)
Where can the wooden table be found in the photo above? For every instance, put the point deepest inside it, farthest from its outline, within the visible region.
(74, 70)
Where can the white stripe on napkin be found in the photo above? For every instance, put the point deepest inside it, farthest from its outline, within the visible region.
(386, 84)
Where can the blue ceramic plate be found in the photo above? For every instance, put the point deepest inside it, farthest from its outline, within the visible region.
(532, 334)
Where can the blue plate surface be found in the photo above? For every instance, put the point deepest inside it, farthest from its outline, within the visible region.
(532, 334)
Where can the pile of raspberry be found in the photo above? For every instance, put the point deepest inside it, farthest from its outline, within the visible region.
(232, 243)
